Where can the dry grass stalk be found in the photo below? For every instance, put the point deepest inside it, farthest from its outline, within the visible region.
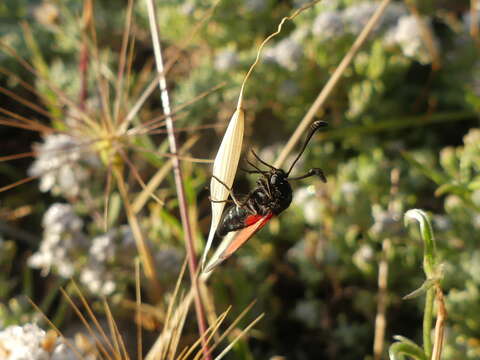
(474, 21)
(138, 312)
(382, 297)
(159, 176)
(439, 336)
(382, 302)
(330, 85)
(239, 336)
(57, 331)
(172, 319)
(115, 333)
(164, 95)
(145, 254)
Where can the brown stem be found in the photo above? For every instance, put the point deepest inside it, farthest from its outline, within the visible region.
(474, 21)
(439, 325)
(83, 67)
(382, 297)
(177, 171)
(382, 302)
(143, 250)
(84, 55)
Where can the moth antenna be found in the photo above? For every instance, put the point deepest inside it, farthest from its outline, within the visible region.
(316, 125)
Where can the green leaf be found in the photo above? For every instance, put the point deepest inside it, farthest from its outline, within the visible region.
(405, 347)
(452, 188)
(426, 232)
(421, 290)
(434, 175)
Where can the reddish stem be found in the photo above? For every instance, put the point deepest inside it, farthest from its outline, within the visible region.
(83, 67)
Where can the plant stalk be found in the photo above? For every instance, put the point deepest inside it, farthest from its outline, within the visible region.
(440, 324)
(192, 262)
(332, 82)
(142, 247)
(427, 322)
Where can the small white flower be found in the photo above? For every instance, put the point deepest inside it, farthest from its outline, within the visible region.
(104, 266)
(225, 60)
(60, 165)
(27, 342)
(286, 53)
(308, 312)
(328, 25)
(366, 253)
(357, 16)
(311, 207)
(62, 238)
(97, 279)
(408, 36)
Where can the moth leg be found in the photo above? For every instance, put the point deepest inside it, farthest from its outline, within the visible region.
(219, 201)
(265, 185)
(237, 202)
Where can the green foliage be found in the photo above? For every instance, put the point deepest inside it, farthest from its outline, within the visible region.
(429, 287)
(394, 143)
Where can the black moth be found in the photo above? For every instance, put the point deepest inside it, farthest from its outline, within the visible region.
(271, 196)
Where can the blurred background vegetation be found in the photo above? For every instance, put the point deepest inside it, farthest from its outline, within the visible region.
(404, 133)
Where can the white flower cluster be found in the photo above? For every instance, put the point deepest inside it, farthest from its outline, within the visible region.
(62, 238)
(408, 36)
(401, 29)
(357, 16)
(110, 261)
(288, 52)
(58, 165)
(306, 199)
(29, 342)
(105, 252)
(332, 23)
(328, 25)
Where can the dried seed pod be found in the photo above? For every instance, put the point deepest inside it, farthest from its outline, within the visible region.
(225, 168)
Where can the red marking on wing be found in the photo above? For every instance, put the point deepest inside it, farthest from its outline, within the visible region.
(252, 219)
(245, 234)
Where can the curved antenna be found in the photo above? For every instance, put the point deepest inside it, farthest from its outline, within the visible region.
(261, 161)
(314, 127)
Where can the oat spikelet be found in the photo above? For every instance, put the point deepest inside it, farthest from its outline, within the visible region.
(224, 168)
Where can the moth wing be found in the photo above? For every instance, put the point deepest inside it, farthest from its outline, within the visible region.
(257, 222)
(244, 235)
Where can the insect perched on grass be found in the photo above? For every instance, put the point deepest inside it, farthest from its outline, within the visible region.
(271, 196)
